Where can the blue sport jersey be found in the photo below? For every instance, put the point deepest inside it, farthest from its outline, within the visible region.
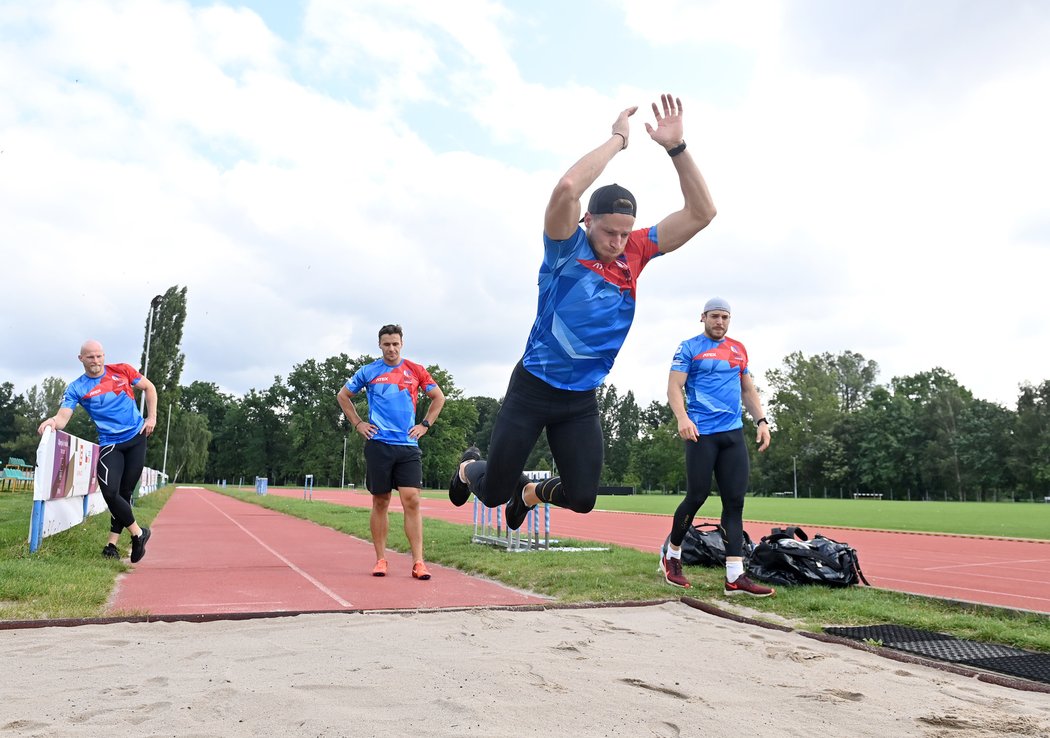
(585, 309)
(109, 401)
(712, 387)
(392, 392)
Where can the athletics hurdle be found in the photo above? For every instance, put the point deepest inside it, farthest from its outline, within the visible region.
(308, 487)
(260, 485)
(489, 528)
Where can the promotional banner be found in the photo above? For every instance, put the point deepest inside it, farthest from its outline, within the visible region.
(65, 487)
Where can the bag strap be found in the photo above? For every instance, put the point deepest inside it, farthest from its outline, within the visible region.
(792, 531)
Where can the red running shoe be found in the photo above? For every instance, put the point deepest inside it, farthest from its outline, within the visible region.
(419, 571)
(743, 585)
(380, 569)
(672, 571)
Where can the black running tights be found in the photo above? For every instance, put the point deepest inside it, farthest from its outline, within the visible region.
(574, 433)
(119, 470)
(725, 455)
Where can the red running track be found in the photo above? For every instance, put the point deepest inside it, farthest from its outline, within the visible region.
(211, 554)
(991, 571)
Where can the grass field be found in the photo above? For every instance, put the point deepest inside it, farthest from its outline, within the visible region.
(68, 577)
(1007, 519)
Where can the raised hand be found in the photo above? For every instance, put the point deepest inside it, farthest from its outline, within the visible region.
(669, 127)
(621, 127)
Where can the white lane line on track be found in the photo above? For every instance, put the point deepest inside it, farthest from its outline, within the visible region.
(281, 558)
(1001, 562)
(954, 588)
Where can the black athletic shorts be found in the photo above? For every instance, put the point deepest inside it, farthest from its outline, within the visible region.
(390, 467)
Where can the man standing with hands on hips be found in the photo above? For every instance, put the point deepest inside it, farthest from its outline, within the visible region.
(708, 382)
(392, 456)
(105, 392)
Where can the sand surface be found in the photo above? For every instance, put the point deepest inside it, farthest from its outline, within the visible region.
(658, 670)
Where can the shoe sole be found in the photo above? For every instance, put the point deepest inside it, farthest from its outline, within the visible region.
(735, 592)
(379, 573)
(420, 577)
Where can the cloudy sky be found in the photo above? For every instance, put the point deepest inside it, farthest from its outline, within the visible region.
(313, 170)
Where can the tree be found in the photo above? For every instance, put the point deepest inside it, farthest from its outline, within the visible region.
(1029, 460)
(188, 445)
(164, 364)
(940, 401)
(12, 407)
(205, 399)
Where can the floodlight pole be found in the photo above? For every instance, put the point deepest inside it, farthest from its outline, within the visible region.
(149, 334)
(164, 466)
(342, 478)
(794, 471)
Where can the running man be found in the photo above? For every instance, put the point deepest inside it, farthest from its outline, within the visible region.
(587, 290)
(708, 382)
(105, 392)
(392, 456)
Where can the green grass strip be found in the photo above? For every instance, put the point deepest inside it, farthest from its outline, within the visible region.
(67, 576)
(624, 574)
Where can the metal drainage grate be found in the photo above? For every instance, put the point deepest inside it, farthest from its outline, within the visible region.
(990, 656)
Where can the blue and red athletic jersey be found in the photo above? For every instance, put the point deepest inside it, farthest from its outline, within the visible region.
(109, 401)
(712, 387)
(392, 392)
(585, 309)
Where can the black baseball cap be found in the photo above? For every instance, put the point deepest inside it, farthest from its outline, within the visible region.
(612, 199)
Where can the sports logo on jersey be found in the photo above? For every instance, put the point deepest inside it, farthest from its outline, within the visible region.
(402, 378)
(110, 383)
(617, 273)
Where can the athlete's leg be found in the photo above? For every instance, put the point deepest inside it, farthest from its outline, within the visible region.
(379, 523)
(409, 497)
(578, 449)
(110, 470)
(379, 466)
(517, 427)
(732, 469)
(700, 458)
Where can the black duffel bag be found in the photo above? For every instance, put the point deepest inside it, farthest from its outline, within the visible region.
(788, 556)
(705, 545)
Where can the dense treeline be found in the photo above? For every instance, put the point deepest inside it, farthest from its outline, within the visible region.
(835, 427)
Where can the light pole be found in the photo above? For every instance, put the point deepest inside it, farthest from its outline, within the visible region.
(342, 478)
(154, 304)
(794, 471)
(164, 466)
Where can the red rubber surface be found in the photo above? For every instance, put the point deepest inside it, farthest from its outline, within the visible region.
(210, 553)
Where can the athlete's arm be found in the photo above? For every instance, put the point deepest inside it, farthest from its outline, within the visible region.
(58, 421)
(151, 405)
(344, 398)
(563, 210)
(437, 401)
(676, 399)
(698, 210)
(753, 403)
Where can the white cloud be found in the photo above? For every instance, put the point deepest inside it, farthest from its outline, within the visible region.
(293, 183)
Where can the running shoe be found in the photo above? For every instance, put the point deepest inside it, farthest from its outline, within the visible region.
(672, 571)
(380, 568)
(517, 510)
(110, 552)
(743, 585)
(138, 545)
(458, 491)
(419, 571)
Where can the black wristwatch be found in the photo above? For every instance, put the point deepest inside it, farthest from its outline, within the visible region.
(425, 423)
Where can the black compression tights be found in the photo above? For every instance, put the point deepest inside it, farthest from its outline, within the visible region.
(119, 469)
(725, 456)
